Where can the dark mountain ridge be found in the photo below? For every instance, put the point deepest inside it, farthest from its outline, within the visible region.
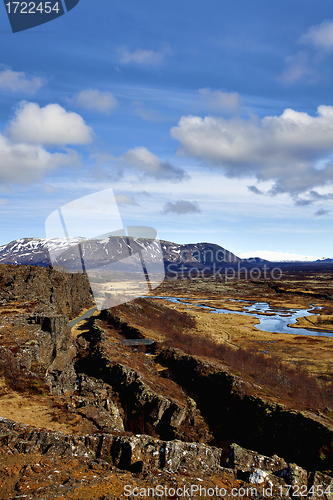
(96, 253)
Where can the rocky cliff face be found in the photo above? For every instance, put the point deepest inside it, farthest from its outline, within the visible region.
(150, 404)
(151, 462)
(61, 293)
(252, 421)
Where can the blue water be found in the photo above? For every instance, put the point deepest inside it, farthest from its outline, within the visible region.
(283, 316)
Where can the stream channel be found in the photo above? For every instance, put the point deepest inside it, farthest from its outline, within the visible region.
(277, 322)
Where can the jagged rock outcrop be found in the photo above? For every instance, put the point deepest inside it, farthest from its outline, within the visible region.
(245, 469)
(126, 452)
(18, 438)
(321, 483)
(167, 416)
(243, 459)
(268, 427)
(63, 293)
(161, 410)
(94, 400)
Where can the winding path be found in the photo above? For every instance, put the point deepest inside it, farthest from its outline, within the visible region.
(86, 315)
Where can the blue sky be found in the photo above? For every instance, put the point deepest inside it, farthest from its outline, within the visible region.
(212, 121)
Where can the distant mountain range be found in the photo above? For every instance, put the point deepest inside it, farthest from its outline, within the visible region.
(113, 249)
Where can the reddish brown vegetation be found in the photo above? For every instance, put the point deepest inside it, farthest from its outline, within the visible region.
(17, 377)
(287, 382)
(155, 317)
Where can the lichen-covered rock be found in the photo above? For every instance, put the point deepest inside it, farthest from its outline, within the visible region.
(245, 460)
(321, 485)
(94, 401)
(25, 439)
(142, 452)
(136, 453)
(294, 475)
(168, 417)
(158, 460)
(273, 486)
(179, 455)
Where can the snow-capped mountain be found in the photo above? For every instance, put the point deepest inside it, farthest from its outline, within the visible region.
(99, 252)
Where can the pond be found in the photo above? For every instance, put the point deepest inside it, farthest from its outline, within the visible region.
(272, 319)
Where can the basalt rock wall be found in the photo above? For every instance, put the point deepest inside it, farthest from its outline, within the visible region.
(64, 293)
(249, 420)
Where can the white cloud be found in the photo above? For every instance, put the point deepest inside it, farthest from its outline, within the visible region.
(283, 149)
(51, 125)
(18, 81)
(149, 165)
(95, 100)
(181, 207)
(221, 101)
(304, 66)
(320, 36)
(144, 113)
(25, 163)
(142, 56)
(124, 199)
(277, 256)
(298, 67)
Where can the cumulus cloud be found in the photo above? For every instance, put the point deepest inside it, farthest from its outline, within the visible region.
(220, 101)
(147, 164)
(142, 56)
(25, 163)
(284, 149)
(95, 100)
(124, 199)
(51, 125)
(18, 81)
(181, 207)
(321, 212)
(320, 36)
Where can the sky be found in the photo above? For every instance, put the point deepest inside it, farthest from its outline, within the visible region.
(212, 121)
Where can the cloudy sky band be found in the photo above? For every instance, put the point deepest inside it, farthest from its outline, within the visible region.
(228, 128)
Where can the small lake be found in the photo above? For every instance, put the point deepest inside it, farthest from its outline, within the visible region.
(278, 320)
